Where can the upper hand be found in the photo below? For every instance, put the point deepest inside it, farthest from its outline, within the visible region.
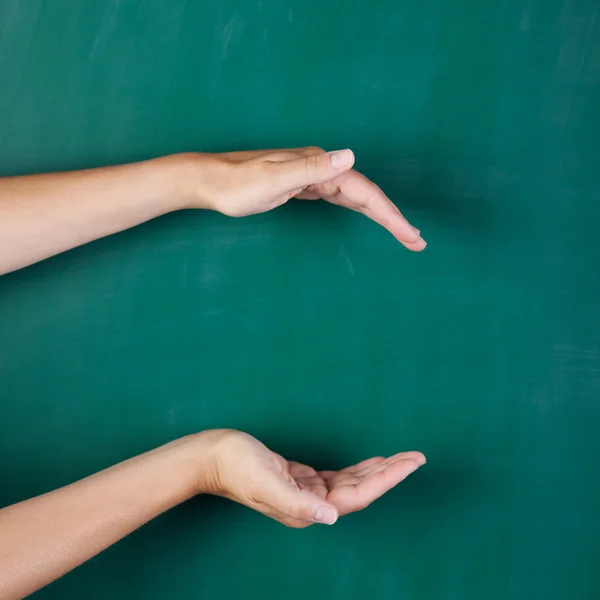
(244, 183)
(244, 470)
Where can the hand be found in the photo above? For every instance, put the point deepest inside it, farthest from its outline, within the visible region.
(244, 183)
(242, 469)
(42, 215)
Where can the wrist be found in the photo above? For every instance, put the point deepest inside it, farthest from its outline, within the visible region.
(174, 181)
(188, 173)
(200, 460)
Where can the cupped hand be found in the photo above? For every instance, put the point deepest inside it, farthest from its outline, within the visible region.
(244, 470)
(244, 183)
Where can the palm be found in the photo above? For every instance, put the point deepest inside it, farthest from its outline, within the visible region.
(355, 487)
(290, 492)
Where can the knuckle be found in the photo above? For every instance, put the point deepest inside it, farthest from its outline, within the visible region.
(312, 163)
(314, 149)
(300, 511)
(364, 204)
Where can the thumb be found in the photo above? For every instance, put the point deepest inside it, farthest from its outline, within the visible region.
(304, 505)
(318, 168)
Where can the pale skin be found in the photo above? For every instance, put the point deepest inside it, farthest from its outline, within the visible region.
(42, 215)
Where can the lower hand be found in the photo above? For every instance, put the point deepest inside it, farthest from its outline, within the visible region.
(244, 183)
(239, 467)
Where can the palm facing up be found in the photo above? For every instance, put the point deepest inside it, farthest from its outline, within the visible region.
(247, 472)
(355, 487)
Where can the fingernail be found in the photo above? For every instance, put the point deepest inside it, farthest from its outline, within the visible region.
(325, 514)
(417, 231)
(341, 158)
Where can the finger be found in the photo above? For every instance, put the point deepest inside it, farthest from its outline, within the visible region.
(276, 515)
(342, 480)
(318, 487)
(352, 475)
(307, 479)
(358, 193)
(272, 513)
(312, 169)
(376, 467)
(351, 470)
(291, 154)
(244, 155)
(363, 464)
(307, 195)
(377, 484)
(358, 493)
(293, 523)
(300, 470)
(415, 246)
(291, 501)
(310, 482)
(380, 209)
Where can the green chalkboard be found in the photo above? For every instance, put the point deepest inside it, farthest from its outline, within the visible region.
(310, 327)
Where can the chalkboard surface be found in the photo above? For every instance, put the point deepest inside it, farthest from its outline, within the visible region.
(310, 327)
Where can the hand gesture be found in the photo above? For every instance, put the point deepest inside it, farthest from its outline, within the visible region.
(244, 470)
(244, 183)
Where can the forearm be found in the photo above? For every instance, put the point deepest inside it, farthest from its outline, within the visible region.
(43, 538)
(42, 215)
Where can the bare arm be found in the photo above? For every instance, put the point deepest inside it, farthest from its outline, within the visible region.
(45, 537)
(43, 215)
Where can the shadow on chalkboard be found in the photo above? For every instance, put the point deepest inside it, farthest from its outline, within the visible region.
(443, 195)
(397, 524)
(428, 193)
(447, 479)
(427, 500)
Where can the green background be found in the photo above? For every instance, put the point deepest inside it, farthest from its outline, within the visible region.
(310, 327)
